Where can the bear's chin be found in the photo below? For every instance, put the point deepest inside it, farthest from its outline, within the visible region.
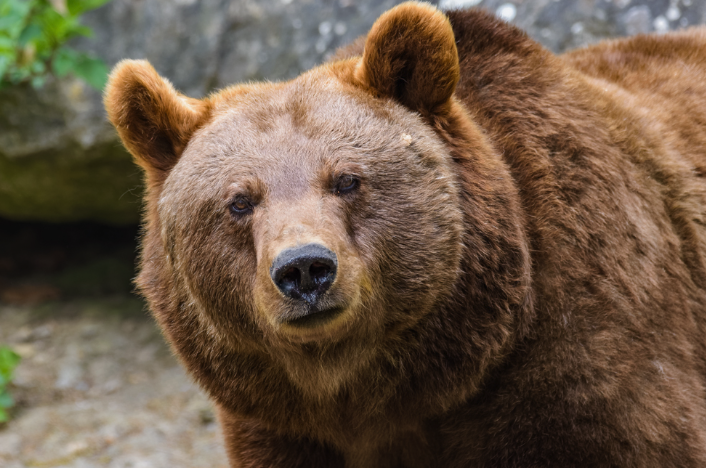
(315, 325)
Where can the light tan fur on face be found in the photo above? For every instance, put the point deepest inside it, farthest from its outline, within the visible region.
(273, 150)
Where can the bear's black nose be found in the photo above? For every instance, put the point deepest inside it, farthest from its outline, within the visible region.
(304, 273)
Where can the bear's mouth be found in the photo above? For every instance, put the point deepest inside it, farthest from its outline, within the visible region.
(315, 318)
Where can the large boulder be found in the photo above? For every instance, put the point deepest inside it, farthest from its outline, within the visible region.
(568, 24)
(61, 161)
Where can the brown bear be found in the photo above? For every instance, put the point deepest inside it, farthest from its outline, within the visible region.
(445, 248)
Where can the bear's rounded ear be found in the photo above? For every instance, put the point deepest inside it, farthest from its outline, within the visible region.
(410, 55)
(154, 121)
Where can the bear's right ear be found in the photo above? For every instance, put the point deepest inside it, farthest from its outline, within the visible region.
(154, 121)
(410, 55)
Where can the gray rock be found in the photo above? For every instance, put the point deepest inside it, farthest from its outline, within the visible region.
(60, 160)
(562, 25)
(638, 20)
(70, 371)
(59, 157)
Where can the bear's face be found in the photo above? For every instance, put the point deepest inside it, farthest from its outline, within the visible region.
(351, 225)
(360, 198)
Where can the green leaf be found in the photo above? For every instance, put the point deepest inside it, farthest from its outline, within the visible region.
(6, 400)
(9, 22)
(76, 7)
(77, 30)
(33, 34)
(37, 67)
(64, 61)
(18, 6)
(6, 43)
(93, 71)
(53, 25)
(12, 24)
(38, 81)
(13, 16)
(8, 361)
(30, 33)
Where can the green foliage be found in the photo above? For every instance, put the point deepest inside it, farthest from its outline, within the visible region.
(8, 362)
(33, 37)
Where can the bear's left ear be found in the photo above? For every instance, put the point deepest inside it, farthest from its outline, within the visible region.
(410, 55)
(154, 121)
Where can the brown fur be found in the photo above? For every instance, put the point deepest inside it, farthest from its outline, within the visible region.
(521, 270)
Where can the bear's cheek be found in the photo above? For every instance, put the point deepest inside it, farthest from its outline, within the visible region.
(410, 243)
(218, 270)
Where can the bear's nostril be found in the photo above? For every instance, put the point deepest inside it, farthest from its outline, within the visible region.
(291, 279)
(292, 275)
(304, 273)
(319, 272)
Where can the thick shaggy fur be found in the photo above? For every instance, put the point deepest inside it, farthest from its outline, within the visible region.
(521, 269)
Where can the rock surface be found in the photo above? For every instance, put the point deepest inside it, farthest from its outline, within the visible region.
(60, 160)
(97, 387)
(562, 25)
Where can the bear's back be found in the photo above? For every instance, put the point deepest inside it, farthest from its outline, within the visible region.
(606, 147)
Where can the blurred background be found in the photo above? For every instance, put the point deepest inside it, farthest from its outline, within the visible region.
(85, 377)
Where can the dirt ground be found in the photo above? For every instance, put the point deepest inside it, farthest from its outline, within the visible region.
(97, 385)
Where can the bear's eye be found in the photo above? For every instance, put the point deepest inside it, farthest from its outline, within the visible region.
(241, 206)
(346, 184)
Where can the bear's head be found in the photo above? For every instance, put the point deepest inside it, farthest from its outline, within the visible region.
(327, 223)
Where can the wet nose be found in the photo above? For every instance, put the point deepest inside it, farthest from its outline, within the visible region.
(304, 273)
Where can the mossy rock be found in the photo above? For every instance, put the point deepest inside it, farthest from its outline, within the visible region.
(61, 161)
(52, 186)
